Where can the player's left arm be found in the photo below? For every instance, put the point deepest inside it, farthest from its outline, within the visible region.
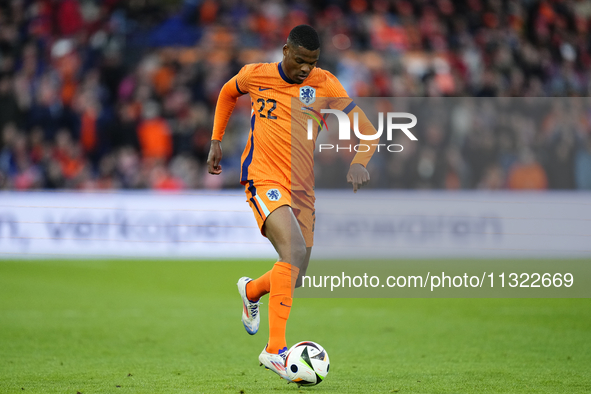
(357, 175)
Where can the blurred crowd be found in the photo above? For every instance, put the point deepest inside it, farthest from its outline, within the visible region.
(489, 143)
(111, 94)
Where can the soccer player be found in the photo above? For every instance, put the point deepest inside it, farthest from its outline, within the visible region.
(281, 196)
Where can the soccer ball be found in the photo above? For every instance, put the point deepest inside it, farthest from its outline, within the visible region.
(307, 363)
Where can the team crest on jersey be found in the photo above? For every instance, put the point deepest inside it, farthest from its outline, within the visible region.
(307, 94)
(273, 194)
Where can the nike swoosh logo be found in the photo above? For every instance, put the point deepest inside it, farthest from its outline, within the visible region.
(281, 303)
(261, 89)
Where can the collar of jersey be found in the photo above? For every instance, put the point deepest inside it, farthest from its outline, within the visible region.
(283, 76)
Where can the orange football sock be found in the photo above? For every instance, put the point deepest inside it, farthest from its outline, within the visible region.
(283, 279)
(257, 288)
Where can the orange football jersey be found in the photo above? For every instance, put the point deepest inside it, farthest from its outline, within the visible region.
(277, 151)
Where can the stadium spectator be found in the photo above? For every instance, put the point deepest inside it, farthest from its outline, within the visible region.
(10, 111)
(583, 166)
(527, 173)
(154, 134)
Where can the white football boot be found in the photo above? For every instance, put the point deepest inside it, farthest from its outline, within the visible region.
(275, 362)
(250, 310)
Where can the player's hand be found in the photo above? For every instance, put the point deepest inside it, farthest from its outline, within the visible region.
(215, 156)
(358, 176)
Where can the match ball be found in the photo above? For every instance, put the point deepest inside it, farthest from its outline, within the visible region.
(307, 363)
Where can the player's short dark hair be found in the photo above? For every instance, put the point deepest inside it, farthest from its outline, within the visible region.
(304, 36)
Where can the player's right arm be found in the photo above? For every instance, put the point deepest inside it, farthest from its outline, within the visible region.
(224, 107)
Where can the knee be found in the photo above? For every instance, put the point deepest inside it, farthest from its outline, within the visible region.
(294, 253)
(298, 253)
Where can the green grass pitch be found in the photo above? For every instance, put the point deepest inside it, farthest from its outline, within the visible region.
(174, 327)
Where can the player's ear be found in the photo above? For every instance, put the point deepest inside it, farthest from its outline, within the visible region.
(285, 50)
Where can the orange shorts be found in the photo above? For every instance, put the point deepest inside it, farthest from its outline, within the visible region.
(264, 198)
